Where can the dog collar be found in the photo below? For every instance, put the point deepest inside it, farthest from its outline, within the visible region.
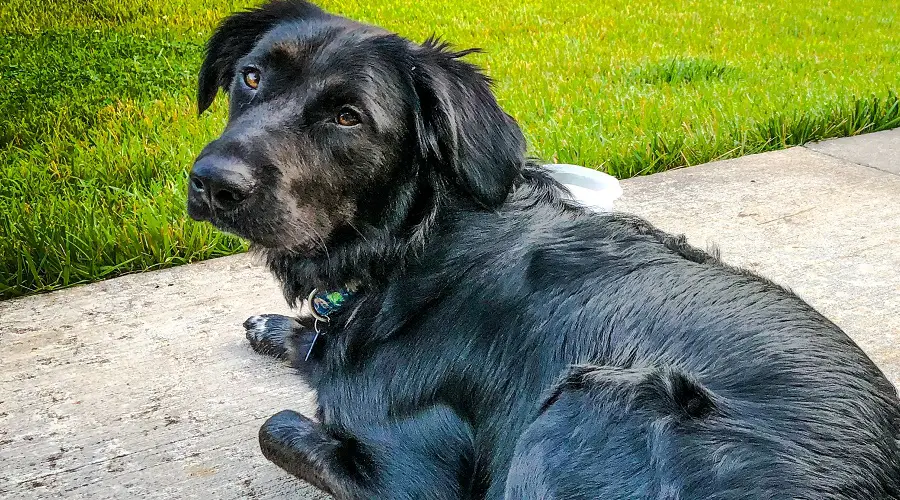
(322, 305)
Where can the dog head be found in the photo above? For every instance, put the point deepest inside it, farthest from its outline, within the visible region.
(340, 131)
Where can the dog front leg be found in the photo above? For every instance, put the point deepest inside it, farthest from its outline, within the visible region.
(281, 337)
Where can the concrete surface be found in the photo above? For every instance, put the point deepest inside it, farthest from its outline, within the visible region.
(879, 150)
(144, 387)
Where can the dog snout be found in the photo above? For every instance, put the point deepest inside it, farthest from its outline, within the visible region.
(219, 183)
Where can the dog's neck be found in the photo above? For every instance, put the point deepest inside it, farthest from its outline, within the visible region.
(369, 255)
(368, 260)
(348, 263)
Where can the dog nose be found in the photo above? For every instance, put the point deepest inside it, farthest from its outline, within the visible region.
(222, 182)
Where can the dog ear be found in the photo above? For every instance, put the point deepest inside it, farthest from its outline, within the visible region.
(235, 37)
(461, 127)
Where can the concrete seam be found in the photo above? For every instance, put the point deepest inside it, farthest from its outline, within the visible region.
(804, 146)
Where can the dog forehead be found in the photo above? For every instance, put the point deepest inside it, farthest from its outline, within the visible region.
(299, 41)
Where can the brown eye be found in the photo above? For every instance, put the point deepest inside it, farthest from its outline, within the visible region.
(251, 78)
(348, 117)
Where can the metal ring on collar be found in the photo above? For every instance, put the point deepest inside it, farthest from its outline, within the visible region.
(312, 308)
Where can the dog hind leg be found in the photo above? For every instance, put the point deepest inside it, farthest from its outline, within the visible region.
(426, 455)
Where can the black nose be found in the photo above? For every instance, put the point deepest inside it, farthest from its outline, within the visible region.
(222, 183)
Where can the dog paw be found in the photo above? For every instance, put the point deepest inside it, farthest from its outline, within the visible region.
(268, 333)
(285, 426)
(286, 438)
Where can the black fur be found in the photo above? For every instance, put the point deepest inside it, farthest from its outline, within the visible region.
(234, 39)
(503, 342)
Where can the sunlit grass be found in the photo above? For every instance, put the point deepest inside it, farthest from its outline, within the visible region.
(98, 126)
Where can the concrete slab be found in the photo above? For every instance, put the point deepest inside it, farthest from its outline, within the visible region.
(879, 150)
(144, 386)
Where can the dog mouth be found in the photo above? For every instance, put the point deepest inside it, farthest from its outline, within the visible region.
(302, 246)
(203, 212)
(305, 245)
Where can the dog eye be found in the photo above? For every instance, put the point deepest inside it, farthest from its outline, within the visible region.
(347, 117)
(251, 78)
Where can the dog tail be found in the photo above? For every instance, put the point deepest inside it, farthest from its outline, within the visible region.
(666, 390)
(632, 423)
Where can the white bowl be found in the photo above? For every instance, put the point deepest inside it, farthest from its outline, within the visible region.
(590, 188)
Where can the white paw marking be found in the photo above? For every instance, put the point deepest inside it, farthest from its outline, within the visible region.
(256, 324)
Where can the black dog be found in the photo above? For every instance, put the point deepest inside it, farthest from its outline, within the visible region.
(484, 338)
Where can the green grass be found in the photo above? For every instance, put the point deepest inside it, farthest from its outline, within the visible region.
(98, 126)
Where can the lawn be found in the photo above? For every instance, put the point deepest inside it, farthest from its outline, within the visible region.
(98, 125)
